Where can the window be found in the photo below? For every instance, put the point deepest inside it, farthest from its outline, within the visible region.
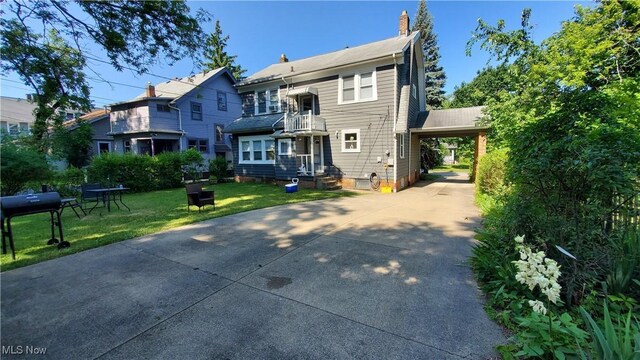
(357, 87)
(104, 147)
(274, 100)
(222, 101)
(402, 146)
(201, 145)
(219, 133)
(351, 140)
(196, 111)
(348, 88)
(257, 150)
(14, 129)
(366, 86)
(3, 126)
(127, 146)
(413, 91)
(24, 128)
(262, 102)
(267, 101)
(163, 108)
(284, 147)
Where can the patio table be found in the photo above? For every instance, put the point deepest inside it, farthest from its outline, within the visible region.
(110, 194)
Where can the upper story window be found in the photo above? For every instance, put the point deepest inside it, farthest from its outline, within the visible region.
(414, 91)
(267, 101)
(196, 111)
(351, 140)
(222, 101)
(163, 108)
(257, 150)
(357, 87)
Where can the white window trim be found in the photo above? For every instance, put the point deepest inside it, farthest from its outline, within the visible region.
(356, 81)
(251, 139)
(402, 146)
(103, 142)
(414, 91)
(342, 140)
(289, 146)
(267, 101)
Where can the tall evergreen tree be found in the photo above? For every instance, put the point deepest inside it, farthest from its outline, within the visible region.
(434, 76)
(216, 56)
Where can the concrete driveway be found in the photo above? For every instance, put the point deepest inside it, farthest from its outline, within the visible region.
(374, 276)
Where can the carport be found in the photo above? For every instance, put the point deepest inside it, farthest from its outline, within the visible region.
(462, 122)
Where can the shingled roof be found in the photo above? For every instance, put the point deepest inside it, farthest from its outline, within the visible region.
(257, 123)
(357, 54)
(460, 121)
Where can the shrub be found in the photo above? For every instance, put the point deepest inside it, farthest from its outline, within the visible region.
(132, 171)
(218, 167)
(20, 165)
(490, 178)
(167, 170)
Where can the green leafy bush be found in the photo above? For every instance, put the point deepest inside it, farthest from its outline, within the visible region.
(218, 167)
(167, 170)
(132, 171)
(490, 178)
(20, 165)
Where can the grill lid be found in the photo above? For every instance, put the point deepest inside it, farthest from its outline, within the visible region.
(29, 204)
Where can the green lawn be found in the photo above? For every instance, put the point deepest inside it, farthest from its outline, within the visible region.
(150, 212)
(454, 168)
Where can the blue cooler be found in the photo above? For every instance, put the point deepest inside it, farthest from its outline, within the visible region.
(293, 187)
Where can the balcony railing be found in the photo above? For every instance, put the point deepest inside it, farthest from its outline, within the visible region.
(304, 122)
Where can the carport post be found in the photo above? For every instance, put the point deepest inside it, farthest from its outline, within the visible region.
(480, 151)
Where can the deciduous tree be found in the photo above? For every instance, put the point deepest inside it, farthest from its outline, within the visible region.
(44, 42)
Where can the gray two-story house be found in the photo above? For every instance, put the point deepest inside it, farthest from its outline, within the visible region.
(343, 114)
(177, 115)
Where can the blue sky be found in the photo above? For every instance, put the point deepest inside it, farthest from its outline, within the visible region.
(261, 31)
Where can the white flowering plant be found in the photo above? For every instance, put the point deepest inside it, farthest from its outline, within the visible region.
(550, 336)
(535, 269)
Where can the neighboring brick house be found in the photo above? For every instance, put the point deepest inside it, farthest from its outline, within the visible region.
(344, 114)
(178, 114)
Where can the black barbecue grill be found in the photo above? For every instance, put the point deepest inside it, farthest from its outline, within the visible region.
(12, 206)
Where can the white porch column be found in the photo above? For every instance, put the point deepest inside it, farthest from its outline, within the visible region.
(313, 164)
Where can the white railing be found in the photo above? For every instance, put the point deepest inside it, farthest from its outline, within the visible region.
(304, 164)
(304, 122)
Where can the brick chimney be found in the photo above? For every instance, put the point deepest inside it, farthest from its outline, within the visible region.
(283, 58)
(151, 90)
(404, 23)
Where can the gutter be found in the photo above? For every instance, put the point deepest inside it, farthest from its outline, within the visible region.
(171, 106)
(395, 120)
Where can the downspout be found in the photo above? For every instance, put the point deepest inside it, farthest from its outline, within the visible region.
(395, 120)
(170, 105)
(287, 96)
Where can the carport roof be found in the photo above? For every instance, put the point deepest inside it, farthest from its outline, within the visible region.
(449, 122)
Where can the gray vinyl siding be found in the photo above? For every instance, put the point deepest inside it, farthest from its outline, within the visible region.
(408, 75)
(373, 118)
(415, 153)
(253, 170)
(286, 167)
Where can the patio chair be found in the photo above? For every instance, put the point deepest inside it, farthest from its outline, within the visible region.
(90, 196)
(198, 197)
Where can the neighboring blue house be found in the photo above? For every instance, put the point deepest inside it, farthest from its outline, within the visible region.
(177, 115)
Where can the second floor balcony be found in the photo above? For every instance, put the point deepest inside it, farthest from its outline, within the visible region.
(301, 122)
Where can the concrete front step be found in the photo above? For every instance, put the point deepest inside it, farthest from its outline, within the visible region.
(328, 183)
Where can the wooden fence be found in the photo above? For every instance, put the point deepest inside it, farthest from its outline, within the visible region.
(626, 214)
